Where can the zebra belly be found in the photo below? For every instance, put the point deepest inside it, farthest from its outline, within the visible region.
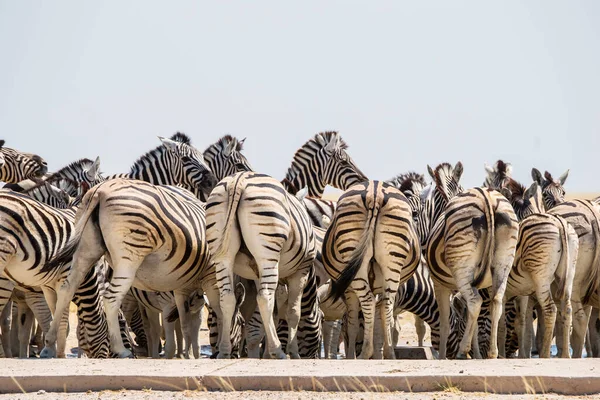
(20, 274)
(156, 275)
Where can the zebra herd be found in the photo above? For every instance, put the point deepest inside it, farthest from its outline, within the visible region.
(284, 272)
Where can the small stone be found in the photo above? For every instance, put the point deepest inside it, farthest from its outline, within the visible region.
(461, 371)
(41, 392)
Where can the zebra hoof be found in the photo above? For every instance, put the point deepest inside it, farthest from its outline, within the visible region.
(125, 354)
(278, 355)
(463, 356)
(295, 356)
(48, 352)
(223, 356)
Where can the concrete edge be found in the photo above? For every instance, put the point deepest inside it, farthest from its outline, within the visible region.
(423, 383)
(223, 382)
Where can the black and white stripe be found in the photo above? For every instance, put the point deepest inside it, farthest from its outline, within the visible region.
(16, 166)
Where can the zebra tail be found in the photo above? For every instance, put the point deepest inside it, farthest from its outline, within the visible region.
(594, 273)
(89, 205)
(488, 250)
(339, 286)
(563, 264)
(173, 315)
(234, 192)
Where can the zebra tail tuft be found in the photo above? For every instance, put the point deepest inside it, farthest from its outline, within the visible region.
(488, 250)
(339, 286)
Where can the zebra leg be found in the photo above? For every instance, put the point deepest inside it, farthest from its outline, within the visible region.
(327, 328)
(387, 314)
(420, 327)
(182, 297)
(378, 332)
(296, 284)
(179, 340)
(60, 319)
(266, 303)
(37, 303)
(5, 322)
(580, 324)
(169, 328)
(442, 295)
(14, 329)
(25, 323)
(195, 322)
(123, 276)
(153, 332)
(544, 298)
(473, 300)
(352, 324)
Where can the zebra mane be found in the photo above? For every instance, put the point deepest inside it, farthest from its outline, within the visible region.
(323, 138)
(225, 141)
(181, 138)
(1, 143)
(412, 182)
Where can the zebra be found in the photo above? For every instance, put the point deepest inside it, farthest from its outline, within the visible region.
(546, 256)
(176, 163)
(372, 222)
(552, 189)
(254, 224)
(160, 245)
(16, 166)
(470, 239)
(32, 234)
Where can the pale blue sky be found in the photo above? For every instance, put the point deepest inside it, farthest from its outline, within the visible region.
(407, 83)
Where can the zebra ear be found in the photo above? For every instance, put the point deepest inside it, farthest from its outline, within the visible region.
(1, 143)
(168, 143)
(537, 176)
(529, 193)
(230, 148)
(458, 171)
(563, 177)
(431, 173)
(426, 193)
(240, 293)
(488, 169)
(94, 170)
(301, 194)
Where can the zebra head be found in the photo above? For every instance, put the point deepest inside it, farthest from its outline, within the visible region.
(77, 177)
(16, 166)
(553, 192)
(498, 175)
(435, 199)
(189, 167)
(413, 186)
(52, 195)
(525, 201)
(224, 157)
(320, 162)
